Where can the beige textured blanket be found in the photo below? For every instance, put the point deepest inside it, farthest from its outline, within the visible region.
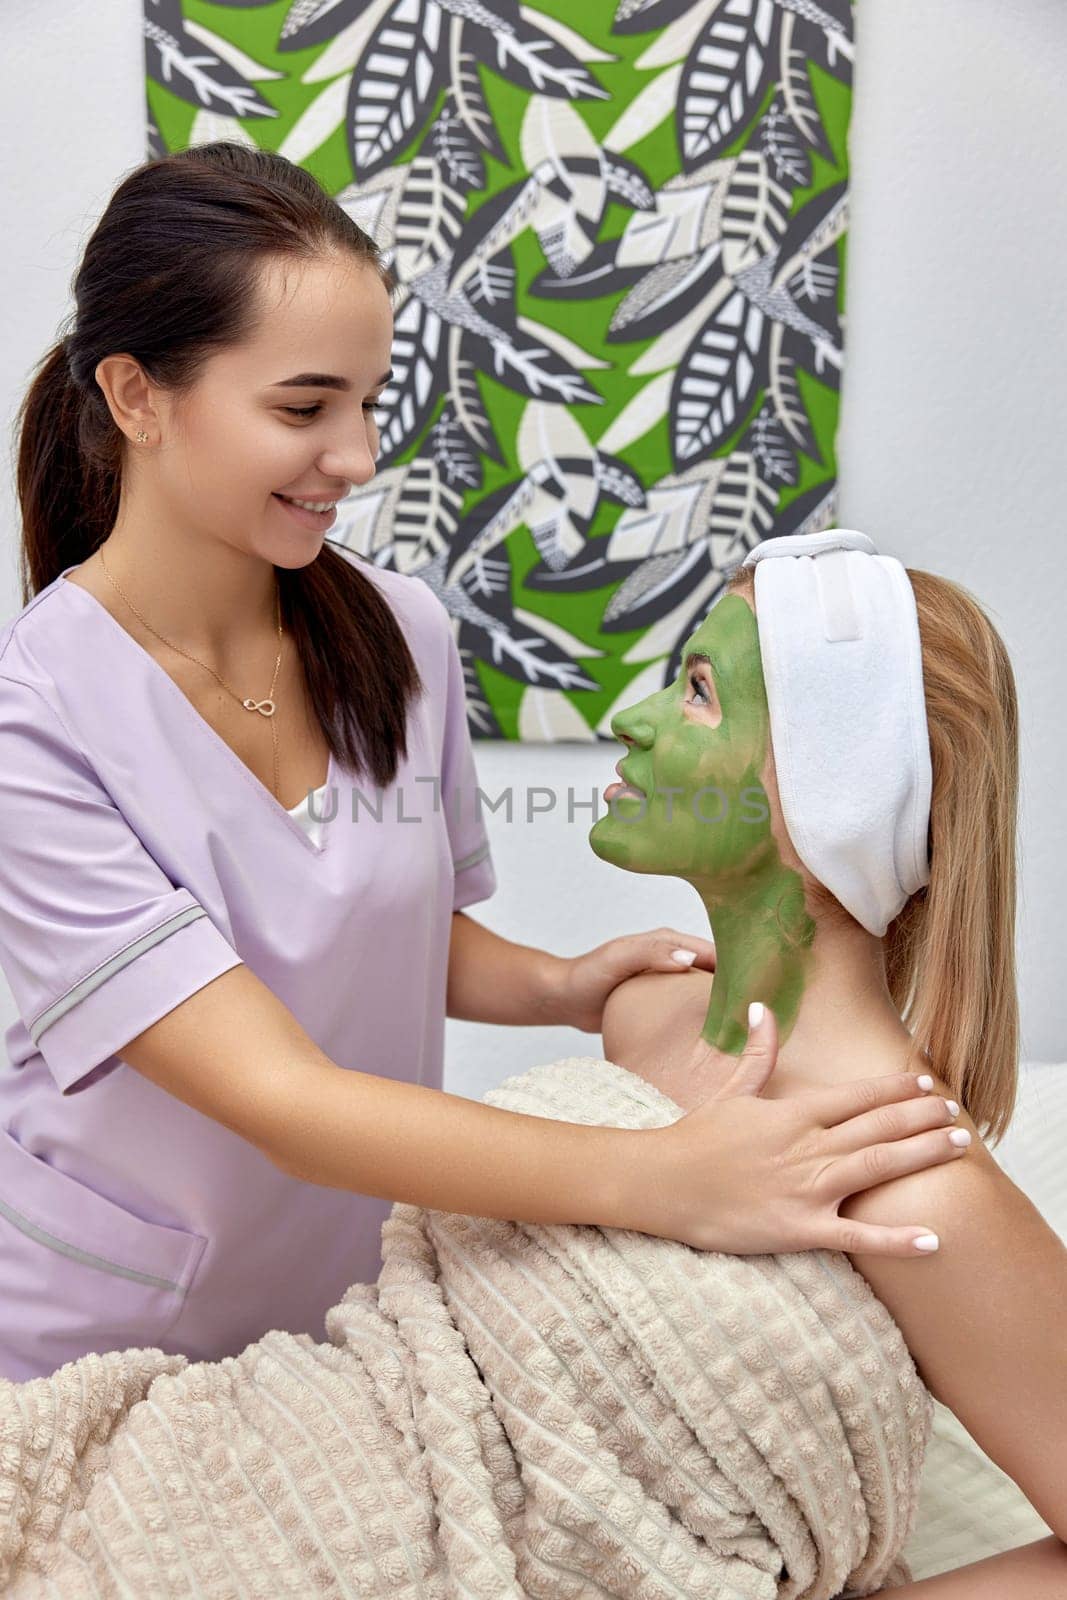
(511, 1410)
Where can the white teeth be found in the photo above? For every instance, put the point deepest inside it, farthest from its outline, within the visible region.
(310, 505)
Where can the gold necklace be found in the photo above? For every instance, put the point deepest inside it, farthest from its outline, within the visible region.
(264, 707)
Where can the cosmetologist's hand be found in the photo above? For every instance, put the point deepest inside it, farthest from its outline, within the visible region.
(750, 1176)
(586, 981)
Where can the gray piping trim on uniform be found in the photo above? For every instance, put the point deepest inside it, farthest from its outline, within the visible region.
(108, 968)
(64, 1249)
(473, 859)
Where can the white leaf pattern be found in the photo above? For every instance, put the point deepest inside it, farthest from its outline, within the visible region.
(394, 81)
(724, 77)
(718, 376)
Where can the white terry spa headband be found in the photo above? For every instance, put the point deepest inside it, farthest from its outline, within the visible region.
(842, 664)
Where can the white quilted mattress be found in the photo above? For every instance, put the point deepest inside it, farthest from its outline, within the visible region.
(968, 1507)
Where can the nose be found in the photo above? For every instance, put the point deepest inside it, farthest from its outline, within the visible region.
(362, 470)
(633, 728)
(355, 465)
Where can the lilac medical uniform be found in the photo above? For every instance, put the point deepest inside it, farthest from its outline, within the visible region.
(140, 859)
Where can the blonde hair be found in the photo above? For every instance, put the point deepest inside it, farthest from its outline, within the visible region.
(950, 952)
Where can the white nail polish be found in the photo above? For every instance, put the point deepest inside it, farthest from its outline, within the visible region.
(960, 1136)
(684, 958)
(755, 1013)
(926, 1082)
(953, 1108)
(926, 1241)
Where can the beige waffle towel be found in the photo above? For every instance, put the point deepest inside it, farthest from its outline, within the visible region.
(511, 1410)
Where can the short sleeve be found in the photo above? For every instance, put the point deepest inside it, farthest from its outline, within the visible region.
(471, 858)
(96, 942)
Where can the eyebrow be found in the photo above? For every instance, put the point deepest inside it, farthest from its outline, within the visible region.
(323, 380)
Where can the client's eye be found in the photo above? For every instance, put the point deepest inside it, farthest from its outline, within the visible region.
(696, 683)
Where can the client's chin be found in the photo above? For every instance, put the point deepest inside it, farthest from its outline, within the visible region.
(622, 837)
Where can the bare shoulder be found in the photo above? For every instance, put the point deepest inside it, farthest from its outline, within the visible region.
(982, 1316)
(971, 1204)
(648, 1009)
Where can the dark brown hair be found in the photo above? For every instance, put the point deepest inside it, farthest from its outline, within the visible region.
(229, 209)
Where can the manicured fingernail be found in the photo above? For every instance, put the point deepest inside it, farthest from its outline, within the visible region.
(959, 1136)
(926, 1241)
(755, 1013)
(685, 958)
(953, 1108)
(926, 1082)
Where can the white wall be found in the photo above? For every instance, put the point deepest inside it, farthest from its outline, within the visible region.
(954, 405)
(955, 397)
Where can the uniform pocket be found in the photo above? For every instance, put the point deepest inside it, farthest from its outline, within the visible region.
(79, 1273)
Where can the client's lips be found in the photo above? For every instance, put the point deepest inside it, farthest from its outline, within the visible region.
(624, 786)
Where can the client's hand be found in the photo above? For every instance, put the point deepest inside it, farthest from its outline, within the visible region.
(585, 982)
(749, 1176)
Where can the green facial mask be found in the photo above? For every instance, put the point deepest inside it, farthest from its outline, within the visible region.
(698, 752)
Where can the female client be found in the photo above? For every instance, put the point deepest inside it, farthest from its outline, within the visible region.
(835, 772)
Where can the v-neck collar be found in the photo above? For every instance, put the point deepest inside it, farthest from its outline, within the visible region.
(220, 743)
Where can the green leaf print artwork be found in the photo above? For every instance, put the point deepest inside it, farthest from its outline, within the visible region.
(618, 229)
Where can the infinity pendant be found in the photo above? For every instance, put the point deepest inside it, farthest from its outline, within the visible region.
(264, 707)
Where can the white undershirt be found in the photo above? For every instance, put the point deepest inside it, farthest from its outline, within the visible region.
(312, 825)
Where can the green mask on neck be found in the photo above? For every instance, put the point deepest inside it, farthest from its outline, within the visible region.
(698, 750)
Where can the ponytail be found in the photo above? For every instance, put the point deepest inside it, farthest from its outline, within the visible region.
(230, 209)
(68, 472)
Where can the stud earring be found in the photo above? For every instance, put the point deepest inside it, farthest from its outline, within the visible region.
(142, 437)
